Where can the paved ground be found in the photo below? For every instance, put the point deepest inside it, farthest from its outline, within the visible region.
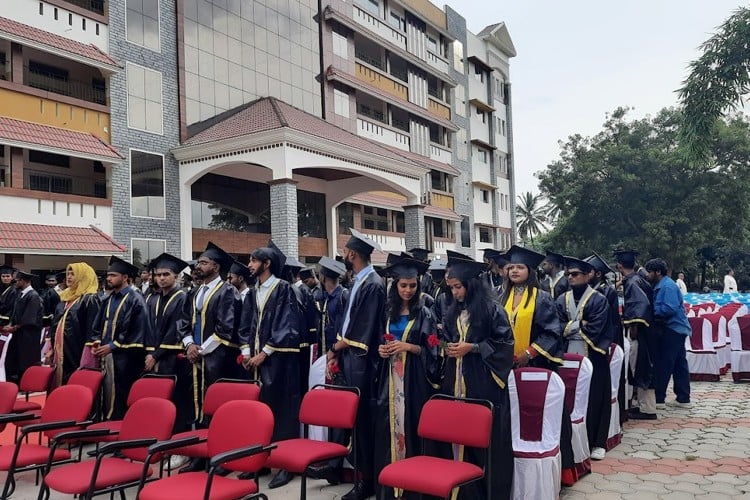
(697, 453)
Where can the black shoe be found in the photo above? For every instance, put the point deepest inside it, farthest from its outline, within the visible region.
(330, 474)
(195, 465)
(637, 414)
(280, 479)
(254, 475)
(361, 491)
(221, 471)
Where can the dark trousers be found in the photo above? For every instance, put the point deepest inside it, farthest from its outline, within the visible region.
(671, 362)
(600, 397)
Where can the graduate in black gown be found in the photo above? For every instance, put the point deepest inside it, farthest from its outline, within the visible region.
(554, 267)
(440, 291)
(269, 340)
(8, 294)
(26, 326)
(73, 320)
(637, 316)
(409, 368)
(585, 313)
(479, 356)
(331, 303)
(355, 353)
(425, 278)
(50, 299)
(118, 336)
(164, 346)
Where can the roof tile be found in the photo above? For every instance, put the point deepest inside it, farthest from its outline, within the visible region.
(31, 237)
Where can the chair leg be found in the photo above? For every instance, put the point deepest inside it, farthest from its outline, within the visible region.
(10, 485)
(303, 487)
(122, 495)
(44, 492)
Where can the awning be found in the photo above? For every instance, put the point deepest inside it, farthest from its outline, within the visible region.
(42, 239)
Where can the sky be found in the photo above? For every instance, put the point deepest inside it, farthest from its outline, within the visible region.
(580, 59)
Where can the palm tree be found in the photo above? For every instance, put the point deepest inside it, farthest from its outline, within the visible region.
(530, 215)
(717, 82)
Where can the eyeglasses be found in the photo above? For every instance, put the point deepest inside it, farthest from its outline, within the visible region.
(573, 274)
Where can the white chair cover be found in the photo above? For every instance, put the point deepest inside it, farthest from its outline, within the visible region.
(576, 373)
(536, 441)
(719, 334)
(703, 361)
(317, 376)
(626, 358)
(740, 342)
(616, 358)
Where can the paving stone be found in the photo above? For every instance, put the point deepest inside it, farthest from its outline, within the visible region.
(691, 488)
(722, 488)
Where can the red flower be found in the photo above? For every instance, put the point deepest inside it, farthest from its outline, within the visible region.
(240, 359)
(388, 337)
(334, 369)
(433, 340)
(180, 356)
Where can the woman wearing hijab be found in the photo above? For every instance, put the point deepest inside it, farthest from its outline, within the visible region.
(409, 368)
(79, 304)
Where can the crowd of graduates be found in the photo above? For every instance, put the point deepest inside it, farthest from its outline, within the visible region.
(399, 334)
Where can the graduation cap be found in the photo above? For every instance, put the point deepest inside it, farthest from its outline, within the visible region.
(625, 257)
(599, 264)
(216, 254)
(420, 253)
(331, 268)
(21, 275)
(117, 265)
(361, 243)
(306, 273)
(167, 261)
(60, 276)
(191, 264)
(553, 257)
(4, 269)
(239, 269)
(576, 263)
(464, 268)
(496, 256)
(50, 276)
(437, 265)
(526, 256)
(405, 267)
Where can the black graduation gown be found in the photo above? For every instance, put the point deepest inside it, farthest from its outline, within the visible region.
(638, 309)
(546, 333)
(8, 296)
(485, 376)
(131, 328)
(332, 308)
(24, 348)
(360, 361)
(309, 320)
(421, 381)
(76, 326)
(276, 327)
(50, 299)
(217, 317)
(597, 334)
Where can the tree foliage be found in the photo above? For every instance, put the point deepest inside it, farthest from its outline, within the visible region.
(631, 185)
(530, 216)
(717, 82)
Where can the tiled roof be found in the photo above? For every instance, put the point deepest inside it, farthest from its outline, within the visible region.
(17, 238)
(51, 40)
(66, 141)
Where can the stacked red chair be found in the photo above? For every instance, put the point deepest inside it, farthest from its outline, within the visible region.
(741, 350)
(703, 361)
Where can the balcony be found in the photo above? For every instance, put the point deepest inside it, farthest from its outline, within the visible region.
(36, 180)
(441, 200)
(381, 81)
(439, 109)
(30, 207)
(440, 153)
(58, 83)
(96, 6)
(382, 133)
(437, 62)
(382, 29)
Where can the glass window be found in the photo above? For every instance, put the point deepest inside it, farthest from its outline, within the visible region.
(458, 56)
(397, 21)
(485, 195)
(143, 23)
(144, 99)
(341, 103)
(431, 44)
(311, 209)
(146, 184)
(340, 45)
(485, 235)
(345, 217)
(465, 231)
(482, 155)
(375, 218)
(145, 250)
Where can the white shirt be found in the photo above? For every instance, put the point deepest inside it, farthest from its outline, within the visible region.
(358, 279)
(26, 290)
(730, 285)
(260, 299)
(206, 290)
(681, 285)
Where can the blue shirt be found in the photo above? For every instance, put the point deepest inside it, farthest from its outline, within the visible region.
(397, 329)
(669, 306)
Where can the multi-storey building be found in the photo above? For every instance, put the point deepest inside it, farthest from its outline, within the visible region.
(235, 121)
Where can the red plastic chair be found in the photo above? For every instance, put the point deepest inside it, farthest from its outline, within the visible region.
(149, 386)
(452, 420)
(217, 394)
(34, 379)
(325, 406)
(8, 395)
(147, 421)
(66, 408)
(238, 440)
(87, 378)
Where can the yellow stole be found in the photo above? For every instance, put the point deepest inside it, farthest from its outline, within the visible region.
(521, 319)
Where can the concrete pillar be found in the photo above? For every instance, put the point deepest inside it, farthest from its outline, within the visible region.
(414, 226)
(16, 168)
(284, 230)
(16, 62)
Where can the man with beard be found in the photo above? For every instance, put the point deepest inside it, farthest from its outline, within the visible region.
(356, 352)
(585, 314)
(637, 316)
(24, 348)
(240, 278)
(332, 302)
(307, 276)
(207, 330)
(118, 336)
(50, 299)
(555, 282)
(8, 294)
(269, 341)
(165, 344)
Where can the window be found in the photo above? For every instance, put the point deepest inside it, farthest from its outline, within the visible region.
(83, 24)
(482, 155)
(49, 158)
(41, 9)
(458, 56)
(143, 23)
(375, 218)
(432, 44)
(503, 127)
(144, 99)
(441, 228)
(341, 103)
(70, 19)
(143, 250)
(465, 231)
(146, 184)
(478, 73)
(340, 45)
(482, 114)
(55, 13)
(485, 235)
(373, 6)
(345, 217)
(400, 222)
(397, 22)
(485, 195)
(441, 181)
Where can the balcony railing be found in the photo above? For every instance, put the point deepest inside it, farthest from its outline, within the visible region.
(369, 59)
(71, 88)
(371, 113)
(65, 184)
(92, 5)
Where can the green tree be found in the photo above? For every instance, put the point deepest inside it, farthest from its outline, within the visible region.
(630, 185)
(717, 82)
(530, 216)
